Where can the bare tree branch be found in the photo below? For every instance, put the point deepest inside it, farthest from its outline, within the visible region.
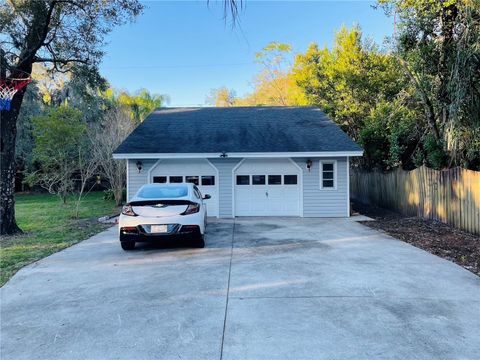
(61, 61)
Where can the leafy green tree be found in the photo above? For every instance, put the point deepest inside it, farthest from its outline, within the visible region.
(60, 146)
(405, 136)
(47, 31)
(83, 91)
(438, 46)
(348, 80)
(390, 136)
(138, 105)
(434, 156)
(63, 151)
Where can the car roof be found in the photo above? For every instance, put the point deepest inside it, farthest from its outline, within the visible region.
(190, 185)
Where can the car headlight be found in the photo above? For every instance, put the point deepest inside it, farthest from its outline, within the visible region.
(128, 210)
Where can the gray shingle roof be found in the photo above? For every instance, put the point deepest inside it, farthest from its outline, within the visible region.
(237, 129)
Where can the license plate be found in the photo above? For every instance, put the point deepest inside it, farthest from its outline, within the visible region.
(159, 229)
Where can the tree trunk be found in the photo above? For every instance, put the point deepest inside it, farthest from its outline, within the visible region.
(118, 195)
(36, 34)
(63, 197)
(8, 134)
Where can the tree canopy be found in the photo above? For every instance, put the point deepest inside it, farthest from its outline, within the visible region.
(348, 80)
(60, 144)
(59, 32)
(438, 47)
(139, 104)
(412, 102)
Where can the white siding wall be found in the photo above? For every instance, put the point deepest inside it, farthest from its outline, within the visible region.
(135, 179)
(225, 167)
(316, 202)
(324, 203)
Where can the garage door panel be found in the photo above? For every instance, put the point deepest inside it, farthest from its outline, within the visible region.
(198, 168)
(248, 204)
(278, 195)
(286, 197)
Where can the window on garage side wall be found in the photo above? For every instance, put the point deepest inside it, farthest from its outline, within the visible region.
(328, 175)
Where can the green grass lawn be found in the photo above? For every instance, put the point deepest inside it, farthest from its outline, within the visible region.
(49, 227)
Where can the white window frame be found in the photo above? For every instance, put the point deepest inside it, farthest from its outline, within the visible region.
(334, 162)
(200, 180)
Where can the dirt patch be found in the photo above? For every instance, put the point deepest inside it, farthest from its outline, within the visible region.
(8, 240)
(437, 238)
(85, 223)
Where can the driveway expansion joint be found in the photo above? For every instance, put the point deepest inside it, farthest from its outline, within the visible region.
(228, 290)
(354, 297)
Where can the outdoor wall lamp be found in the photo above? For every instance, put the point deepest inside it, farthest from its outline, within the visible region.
(309, 164)
(139, 166)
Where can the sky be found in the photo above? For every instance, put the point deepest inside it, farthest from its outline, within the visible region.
(184, 49)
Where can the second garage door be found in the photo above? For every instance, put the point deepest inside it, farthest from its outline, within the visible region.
(197, 171)
(267, 187)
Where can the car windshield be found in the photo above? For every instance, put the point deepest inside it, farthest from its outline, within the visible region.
(167, 192)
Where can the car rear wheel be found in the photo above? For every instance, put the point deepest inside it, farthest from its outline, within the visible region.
(127, 245)
(200, 243)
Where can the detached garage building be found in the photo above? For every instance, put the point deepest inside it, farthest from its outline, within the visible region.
(253, 161)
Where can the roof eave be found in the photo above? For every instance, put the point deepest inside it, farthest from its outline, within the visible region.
(237, 155)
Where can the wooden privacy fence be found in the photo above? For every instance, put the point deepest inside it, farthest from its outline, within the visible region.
(450, 196)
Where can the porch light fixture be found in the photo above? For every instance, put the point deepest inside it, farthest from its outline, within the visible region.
(139, 166)
(309, 164)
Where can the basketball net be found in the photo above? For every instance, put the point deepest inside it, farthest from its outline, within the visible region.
(8, 88)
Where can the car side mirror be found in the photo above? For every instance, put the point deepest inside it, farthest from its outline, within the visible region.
(206, 197)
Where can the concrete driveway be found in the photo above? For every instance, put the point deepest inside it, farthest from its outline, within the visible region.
(262, 289)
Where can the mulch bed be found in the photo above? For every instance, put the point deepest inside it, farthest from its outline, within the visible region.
(437, 238)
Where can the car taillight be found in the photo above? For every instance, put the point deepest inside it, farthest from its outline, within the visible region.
(129, 230)
(128, 210)
(189, 228)
(192, 209)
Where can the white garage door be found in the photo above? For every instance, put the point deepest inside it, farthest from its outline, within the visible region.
(197, 171)
(267, 187)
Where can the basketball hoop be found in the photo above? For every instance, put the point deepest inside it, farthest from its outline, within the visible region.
(8, 88)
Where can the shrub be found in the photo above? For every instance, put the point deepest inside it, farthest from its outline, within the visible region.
(435, 155)
(109, 195)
